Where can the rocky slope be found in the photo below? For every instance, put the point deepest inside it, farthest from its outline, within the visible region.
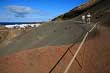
(49, 34)
(78, 10)
(93, 57)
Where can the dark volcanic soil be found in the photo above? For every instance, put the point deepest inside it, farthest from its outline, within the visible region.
(94, 57)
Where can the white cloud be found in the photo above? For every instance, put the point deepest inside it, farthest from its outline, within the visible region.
(20, 11)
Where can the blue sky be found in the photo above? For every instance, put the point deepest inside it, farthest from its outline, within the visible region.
(34, 10)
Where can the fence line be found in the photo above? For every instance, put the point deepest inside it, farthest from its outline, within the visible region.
(65, 53)
(80, 46)
(67, 50)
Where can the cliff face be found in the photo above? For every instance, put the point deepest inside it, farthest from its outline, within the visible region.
(78, 10)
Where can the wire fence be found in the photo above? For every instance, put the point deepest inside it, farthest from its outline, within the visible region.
(66, 67)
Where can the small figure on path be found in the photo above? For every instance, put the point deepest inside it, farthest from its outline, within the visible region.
(88, 18)
(83, 19)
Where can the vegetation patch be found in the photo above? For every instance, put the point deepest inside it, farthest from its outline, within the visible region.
(3, 33)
